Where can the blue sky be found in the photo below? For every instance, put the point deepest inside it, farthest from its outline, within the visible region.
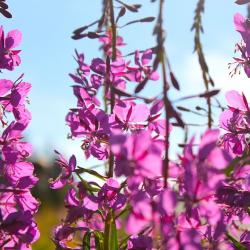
(47, 51)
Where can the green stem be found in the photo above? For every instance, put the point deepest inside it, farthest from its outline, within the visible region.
(162, 57)
(112, 99)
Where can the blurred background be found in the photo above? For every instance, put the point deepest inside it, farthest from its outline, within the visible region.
(47, 58)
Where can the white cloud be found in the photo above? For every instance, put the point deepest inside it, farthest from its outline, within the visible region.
(218, 66)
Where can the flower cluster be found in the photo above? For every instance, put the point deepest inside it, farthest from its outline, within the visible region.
(203, 200)
(18, 229)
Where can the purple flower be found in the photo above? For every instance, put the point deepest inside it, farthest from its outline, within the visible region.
(136, 154)
(142, 68)
(67, 168)
(242, 26)
(141, 215)
(131, 115)
(235, 121)
(140, 243)
(93, 125)
(18, 229)
(107, 44)
(109, 196)
(9, 57)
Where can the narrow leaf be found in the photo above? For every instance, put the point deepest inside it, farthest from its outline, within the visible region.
(174, 81)
(183, 109)
(99, 240)
(5, 13)
(81, 170)
(132, 7)
(141, 85)
(121, 14)
(82, 29)
(110, 233)
(236, 243)
(210, 93)
(242, 1)
(86, 241)
(121, 92)
(143, 20)
(4, 5)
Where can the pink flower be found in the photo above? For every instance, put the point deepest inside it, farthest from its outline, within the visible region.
(140, 243)
(109, 196)
(141, 215)
(67, 168)
(142, 68)
(93, 125)
(107, 44)
(235, 120)
(242, 26)
(136, 154)
(131, 115)
(204, 171)
(9, 57)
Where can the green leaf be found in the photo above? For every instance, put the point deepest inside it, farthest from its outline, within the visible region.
(81, 170)
(110, 233)
(236, 243)
(87, 186)
(86, 241)
(99, 240)
(238, 160)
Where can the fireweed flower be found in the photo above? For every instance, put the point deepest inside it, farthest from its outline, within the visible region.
(235, 120)
(116, 75)
(206, 199)
(14, 97)
(131, 115)
(204, 171)
(107, 44)
(82, 72)
(86, 211)
(87, 88)
(109, 196)
(140, 242)
(68, 168)
(9, 57)
(202, 176)
(241, 177)
(242, 25)
(18, 229)
(136, 154)
(141, 215)
(84, 99)
(91, 124)
(63, 236)
(80, 205)
(142, 68)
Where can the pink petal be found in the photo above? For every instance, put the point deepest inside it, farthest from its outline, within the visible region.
(208, 142)
(150, 166)
(235, 100)
(13, 39)
(154, 76)
(225, 118)
(5, 86)
(146, 57)
(169, 201)
(140, 113)
(239, 22)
